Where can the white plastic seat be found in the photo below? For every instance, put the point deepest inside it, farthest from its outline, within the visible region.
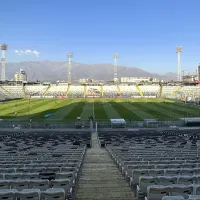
(69, 175)
(134, 180)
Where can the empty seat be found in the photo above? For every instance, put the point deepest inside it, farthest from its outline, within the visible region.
(19, 184)
(182, 190)
(62, 183)
(144, 182)
(134, 180)
(173, 198)
(8, 194)
(157, 192)
(13, 176)
(4, 184)
(39, 184)
(172, 172)
(156, 172)
(187, 172)
(167, 180)
(69, 175)
(53, 194)
(30, 176)
(27, 194)
(186, 180)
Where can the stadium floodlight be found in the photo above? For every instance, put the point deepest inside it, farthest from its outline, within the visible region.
(3, 62)
(178, 51)
(115, 56)
(70, 55)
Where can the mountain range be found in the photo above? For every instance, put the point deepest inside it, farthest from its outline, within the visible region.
(53, 71)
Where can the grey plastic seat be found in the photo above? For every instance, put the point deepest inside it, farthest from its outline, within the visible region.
(187, 172)
(53, 194)
(182, 190)
(172, 172)
(173, 198)
(134, 180)
(13, 176)
(144, 182)
(69, 175)
(62, 183)
(8, 194)
(156, 172)
(19, 184)
(157, 192)
(197, 189)
(167, 180)
(30, 176)
(4, 184)
(27, 194)
(186, 180)
(39, 184)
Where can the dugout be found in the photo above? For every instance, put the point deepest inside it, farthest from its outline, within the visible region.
(191, 121)
(118, 123)
(151, 123)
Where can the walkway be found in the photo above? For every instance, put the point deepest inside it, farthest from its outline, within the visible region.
(100, 179)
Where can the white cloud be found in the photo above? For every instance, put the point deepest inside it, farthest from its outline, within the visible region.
(27, 52)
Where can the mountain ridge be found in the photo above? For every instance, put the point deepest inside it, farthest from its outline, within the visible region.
(46, 70)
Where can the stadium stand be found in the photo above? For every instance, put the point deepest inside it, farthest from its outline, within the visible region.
(156, 166)
(5, 95)
(57, 90)
(41, 165)
(15, 91)
(129, 91)
(168, 91)
(93, 91)
(35, 90)
(76, 91)
(150, 91)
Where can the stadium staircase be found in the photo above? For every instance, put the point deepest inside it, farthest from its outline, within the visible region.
(119, 91)
(6, 91)
(24, 91)
(47, 90)
(68, 89)
(160, 92)
(102, 91)
(139, 91)
(85, 89)
(178, 89)
(100, 179)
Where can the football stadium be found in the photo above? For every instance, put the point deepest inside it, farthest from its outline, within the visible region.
(76, 124)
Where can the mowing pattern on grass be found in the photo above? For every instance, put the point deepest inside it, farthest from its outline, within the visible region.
(124, 111)
(100, 113)
(75, 111)
(104, 109)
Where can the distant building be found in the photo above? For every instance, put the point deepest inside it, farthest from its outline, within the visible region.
(137, 80)
(190, 78)
(20, 76)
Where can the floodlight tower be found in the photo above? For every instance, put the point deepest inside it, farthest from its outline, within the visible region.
(3, 62)
(70, 55)
(115, 56)
(178, 51)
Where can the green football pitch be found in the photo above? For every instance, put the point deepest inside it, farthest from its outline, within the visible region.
(101, 109)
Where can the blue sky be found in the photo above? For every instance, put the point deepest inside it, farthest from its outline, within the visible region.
(144, 33)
